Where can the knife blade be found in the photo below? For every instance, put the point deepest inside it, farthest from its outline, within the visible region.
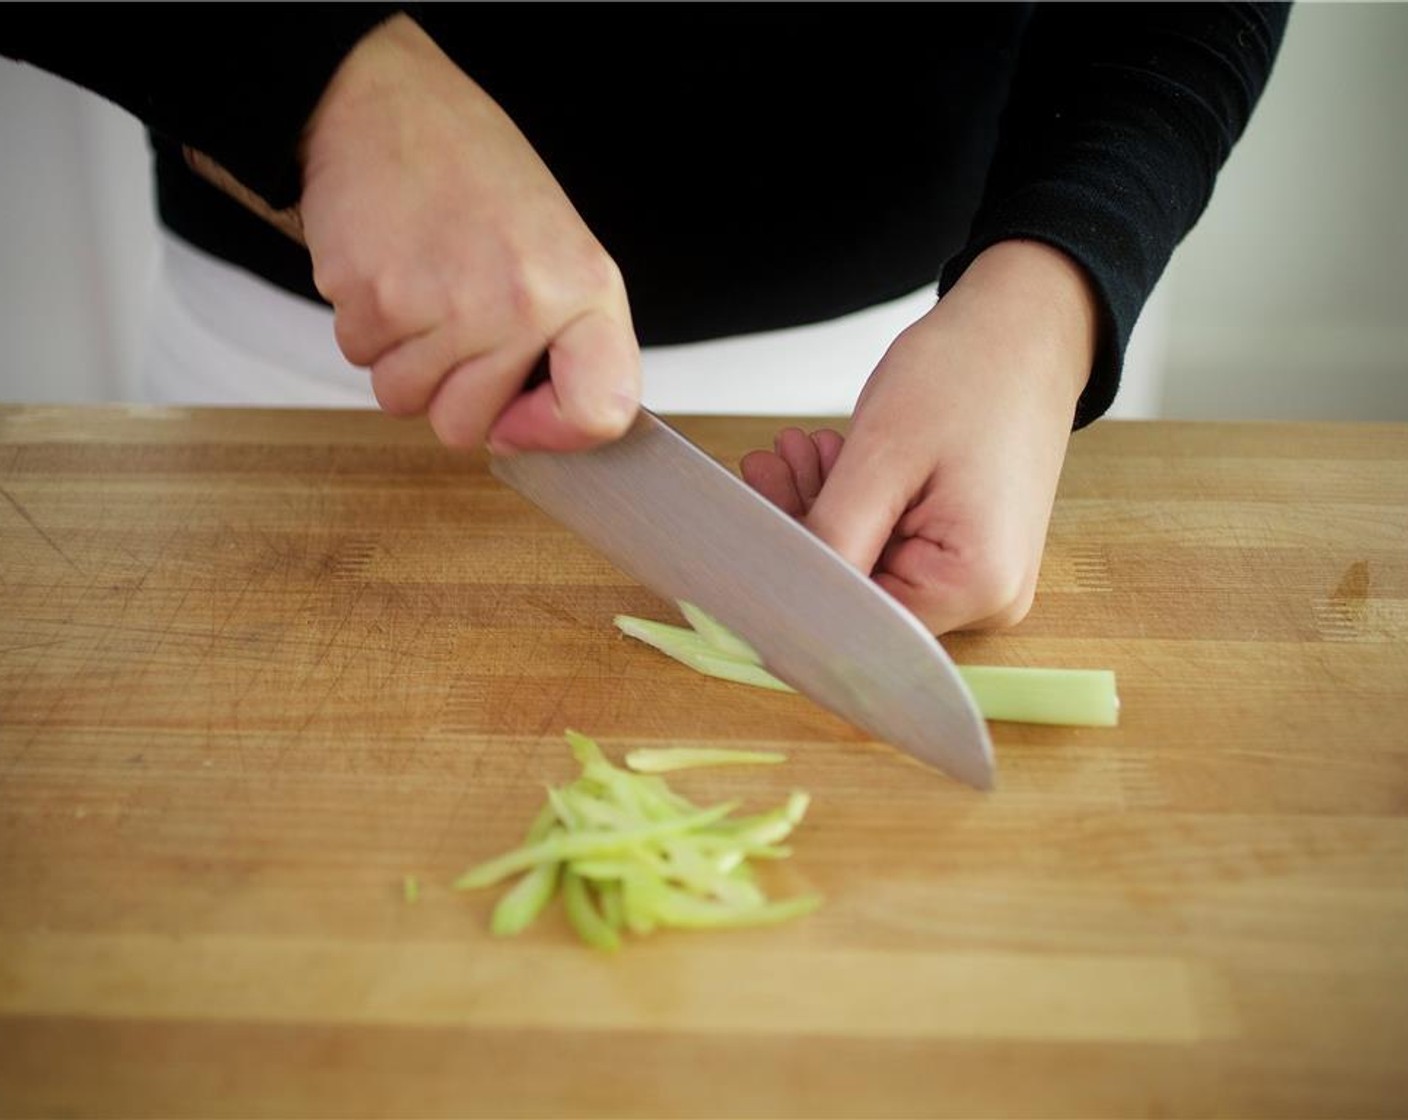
(678, 521)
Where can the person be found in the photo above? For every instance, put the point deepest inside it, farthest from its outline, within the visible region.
(479, 185)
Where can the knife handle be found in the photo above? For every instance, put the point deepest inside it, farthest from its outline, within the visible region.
(288, 222)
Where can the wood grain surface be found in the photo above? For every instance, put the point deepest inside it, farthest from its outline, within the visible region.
(257, 666)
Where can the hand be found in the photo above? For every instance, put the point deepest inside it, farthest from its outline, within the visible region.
(453, 259)
(943, 487)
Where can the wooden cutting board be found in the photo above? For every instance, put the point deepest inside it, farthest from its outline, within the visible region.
(256, 667)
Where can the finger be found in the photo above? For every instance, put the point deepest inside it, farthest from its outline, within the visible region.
(768, 473)
(797, 450)
(936, 615)
(468, 398)
(954, 580)
(592, 397)
(860, 504)
(406, 377)
(375, 319)
(944, 614)
(828, 447)
(923, 577)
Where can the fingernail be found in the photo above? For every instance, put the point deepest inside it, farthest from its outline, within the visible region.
(609, 412)
(622, 404)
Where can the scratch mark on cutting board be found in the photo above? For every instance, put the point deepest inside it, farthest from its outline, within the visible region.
(29, 520)
(37, 730)
(334, 642)
(43, 644)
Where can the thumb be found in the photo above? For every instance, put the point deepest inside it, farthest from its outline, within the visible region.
(592, 396)
(860, 503)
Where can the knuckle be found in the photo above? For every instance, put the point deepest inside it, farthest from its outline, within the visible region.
(453, 426)
(351, 341)
(528, 299)
(1003, 594)
(540, 294)
(371, 311)
(599, 276)
(1012, 614)
(391, 300)
(399, 389)
(392, 394)
(332, 277)
(384, 295)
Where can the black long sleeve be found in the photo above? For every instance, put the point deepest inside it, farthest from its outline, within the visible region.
(1119, 120)
(749, 166)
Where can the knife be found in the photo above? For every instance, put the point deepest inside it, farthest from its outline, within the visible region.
(679, 522)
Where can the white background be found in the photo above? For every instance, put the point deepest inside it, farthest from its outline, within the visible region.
(1290, 298)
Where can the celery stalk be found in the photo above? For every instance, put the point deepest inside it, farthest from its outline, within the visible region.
(524, 901)
(608, 893)
(688, 648)
(574, 845)
(718, 635)
(591, 927)
(1079, 697)
(584, 748)
(662, 760)
(639, 895)
(673, 907)
(1072, 697)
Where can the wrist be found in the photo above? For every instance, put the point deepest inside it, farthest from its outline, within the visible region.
(368, 72)
(1032, 296)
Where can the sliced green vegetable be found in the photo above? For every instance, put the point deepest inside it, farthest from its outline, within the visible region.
(640, 895)
(575, 845)
(521, 904)
(631, 854)
(662, 760)
(765, 829)
(682, 910)
(410, 888)
(543, 823)
(609, 895)
(688, 648)
(584, 748)
(591, 927)
(1076, 697)
(718, 635)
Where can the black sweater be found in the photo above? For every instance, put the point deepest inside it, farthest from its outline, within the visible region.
(749, 166)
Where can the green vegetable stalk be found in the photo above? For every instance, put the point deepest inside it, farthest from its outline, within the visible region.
(1076, 697)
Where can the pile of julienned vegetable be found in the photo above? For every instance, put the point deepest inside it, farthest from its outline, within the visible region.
(628, 853)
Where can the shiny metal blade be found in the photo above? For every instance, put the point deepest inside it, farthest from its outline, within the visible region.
(675, 519)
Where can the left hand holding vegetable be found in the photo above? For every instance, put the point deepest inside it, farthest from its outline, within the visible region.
(944, 485)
